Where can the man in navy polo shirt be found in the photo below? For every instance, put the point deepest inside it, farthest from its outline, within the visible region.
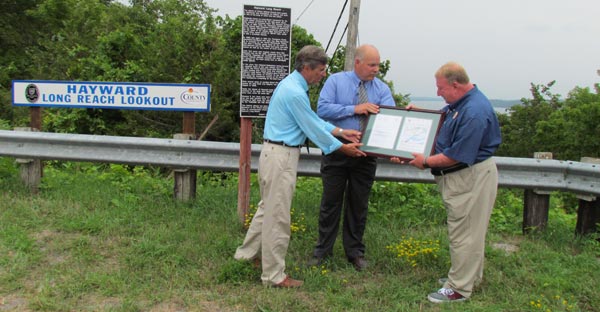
(466, 176)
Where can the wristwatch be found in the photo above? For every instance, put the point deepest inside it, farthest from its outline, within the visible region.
(340, 131)
(425, 164)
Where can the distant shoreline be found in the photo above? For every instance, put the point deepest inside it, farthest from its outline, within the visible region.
(501, 106)
(437, 100)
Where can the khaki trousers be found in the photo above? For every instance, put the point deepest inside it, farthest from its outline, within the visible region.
(469, 196)
(269, 234)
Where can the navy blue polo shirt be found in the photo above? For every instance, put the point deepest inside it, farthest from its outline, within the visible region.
(470, 132)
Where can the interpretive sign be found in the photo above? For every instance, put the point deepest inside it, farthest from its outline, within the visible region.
(266, 36)
(398, 132)
(113, 95)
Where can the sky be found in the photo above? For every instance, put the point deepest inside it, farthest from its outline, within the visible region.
(504, 45)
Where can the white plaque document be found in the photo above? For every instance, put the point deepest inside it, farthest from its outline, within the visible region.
(398, 132)
(384, 131)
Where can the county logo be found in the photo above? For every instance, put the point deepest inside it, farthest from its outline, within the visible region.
(192, 97)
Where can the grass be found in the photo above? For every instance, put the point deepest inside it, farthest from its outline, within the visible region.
(111, 238)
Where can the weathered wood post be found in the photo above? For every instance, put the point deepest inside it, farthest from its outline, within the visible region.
(536, 204)
(185, 179)
(245, 168)
(30, 169)
(588, 214)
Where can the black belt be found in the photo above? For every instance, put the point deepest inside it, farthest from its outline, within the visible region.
(282, 143)
(444, 171)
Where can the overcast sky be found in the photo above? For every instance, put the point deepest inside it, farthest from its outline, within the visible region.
(504, 45)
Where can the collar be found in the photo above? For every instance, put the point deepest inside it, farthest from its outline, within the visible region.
(357, 79)
(297, 76)
(463, 99)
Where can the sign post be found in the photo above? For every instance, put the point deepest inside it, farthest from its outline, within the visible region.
(266, 37)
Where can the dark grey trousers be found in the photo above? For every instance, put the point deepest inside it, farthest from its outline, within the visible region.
(347, 185)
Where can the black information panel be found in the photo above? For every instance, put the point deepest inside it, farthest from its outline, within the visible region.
(266, 36)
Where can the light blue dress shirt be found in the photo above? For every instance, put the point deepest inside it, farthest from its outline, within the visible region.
(290, 118)
(340, 94)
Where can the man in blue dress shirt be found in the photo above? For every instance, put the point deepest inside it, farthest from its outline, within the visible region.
(290, 120)
(347, 181)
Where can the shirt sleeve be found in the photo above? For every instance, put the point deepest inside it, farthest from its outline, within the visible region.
(316, 129)
(327, 107)
(385, 95)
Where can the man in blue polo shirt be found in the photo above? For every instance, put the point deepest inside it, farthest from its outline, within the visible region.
(466, 176)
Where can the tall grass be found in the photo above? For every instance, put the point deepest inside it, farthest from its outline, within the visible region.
(111, 238)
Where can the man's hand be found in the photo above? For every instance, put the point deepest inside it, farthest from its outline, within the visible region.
(366, 109)
(417, 161)
(351, 135)
(351, 149)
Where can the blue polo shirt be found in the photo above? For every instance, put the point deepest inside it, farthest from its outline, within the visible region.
(340, 94)
(290, 118)
(470, 132)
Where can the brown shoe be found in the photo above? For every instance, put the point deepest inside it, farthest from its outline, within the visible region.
(359, 263)
(289, 282)
(315, 261)
(256, 263)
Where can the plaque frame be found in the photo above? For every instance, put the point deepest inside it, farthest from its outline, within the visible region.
(398, 132)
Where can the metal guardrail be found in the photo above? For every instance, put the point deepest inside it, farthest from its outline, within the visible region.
(537, 174)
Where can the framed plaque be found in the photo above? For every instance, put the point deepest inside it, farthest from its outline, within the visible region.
(398, 132)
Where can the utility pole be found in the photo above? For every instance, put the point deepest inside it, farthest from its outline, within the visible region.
(352, 34)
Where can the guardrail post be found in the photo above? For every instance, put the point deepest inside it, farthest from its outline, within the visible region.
(185, 179)
(536, 204)
(30, 169)
(588, 214)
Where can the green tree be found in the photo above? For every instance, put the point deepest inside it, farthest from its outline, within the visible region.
(18, 42)
(175, 41)
(518, 130)
(573, 131)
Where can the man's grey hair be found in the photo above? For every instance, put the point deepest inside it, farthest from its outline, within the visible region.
(310, 55)
(453, 72)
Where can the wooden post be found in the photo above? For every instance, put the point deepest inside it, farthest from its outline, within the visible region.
(245, 166)
(536, 204)
(189, 123)
(31, 170)
(184, 188)
(351, 39)
(588, 214)
(35, 116)
(535, 212)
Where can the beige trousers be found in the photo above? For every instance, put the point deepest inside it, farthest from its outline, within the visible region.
(269, 233)
(469, 196)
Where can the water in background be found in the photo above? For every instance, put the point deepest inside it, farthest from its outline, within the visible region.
(427, 104)
(436, 105)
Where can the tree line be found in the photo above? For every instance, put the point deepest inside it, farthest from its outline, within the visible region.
(183, 41)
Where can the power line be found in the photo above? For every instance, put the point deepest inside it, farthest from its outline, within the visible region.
(333, 56)
(336, 25)
(301, 13)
